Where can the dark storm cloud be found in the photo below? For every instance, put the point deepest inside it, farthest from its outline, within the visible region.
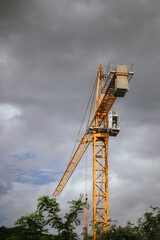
(49, 56)
(13, 16)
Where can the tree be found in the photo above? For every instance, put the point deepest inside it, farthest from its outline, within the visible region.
(10, 233)
(120, 233)
(51, 209)
(32, 226)
(149, 226)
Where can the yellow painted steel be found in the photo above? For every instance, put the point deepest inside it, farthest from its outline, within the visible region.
(100, 181)
(103, 103)
(100, 85)
(85, 141)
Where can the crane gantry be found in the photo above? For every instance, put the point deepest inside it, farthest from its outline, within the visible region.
(111, 83)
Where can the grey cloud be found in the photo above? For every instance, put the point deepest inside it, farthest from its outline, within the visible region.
(5, 182)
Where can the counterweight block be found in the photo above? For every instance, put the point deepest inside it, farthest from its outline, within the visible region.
(121, 81)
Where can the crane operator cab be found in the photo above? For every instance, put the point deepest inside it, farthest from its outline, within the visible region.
(113, 123)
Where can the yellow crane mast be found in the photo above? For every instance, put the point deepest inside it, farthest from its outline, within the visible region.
(111, 83)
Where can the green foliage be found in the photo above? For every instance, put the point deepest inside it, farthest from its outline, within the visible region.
(32, 224)
(35, 226)
(51, 208)
(65, 229)
(147, 228)
(120, 233)
(10, 233)
(19, 233)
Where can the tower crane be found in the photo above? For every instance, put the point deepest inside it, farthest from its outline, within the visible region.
(112, 82)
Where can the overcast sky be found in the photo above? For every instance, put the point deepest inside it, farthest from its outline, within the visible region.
(49, 56)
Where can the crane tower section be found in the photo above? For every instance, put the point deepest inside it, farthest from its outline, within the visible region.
(112, 82)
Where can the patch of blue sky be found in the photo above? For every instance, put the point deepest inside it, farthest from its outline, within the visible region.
(36, 177)
(24, 155)
(59, 165)
(3, 219)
